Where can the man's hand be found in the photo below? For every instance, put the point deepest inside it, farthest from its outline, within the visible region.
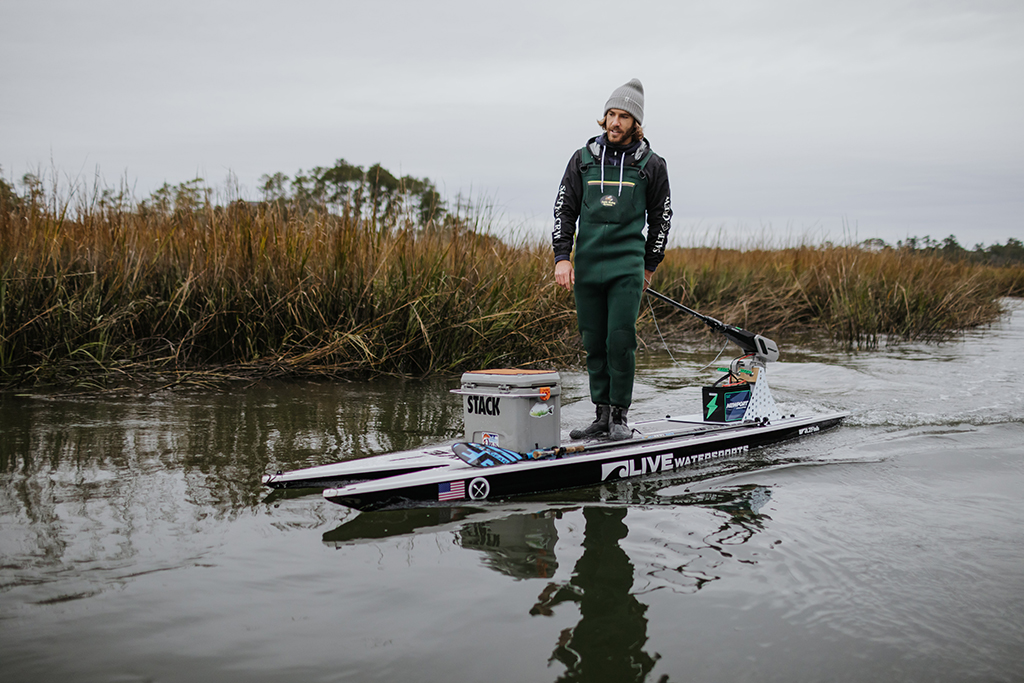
(565, 276)
(648, 276)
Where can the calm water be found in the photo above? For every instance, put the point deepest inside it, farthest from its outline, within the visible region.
(137, 544)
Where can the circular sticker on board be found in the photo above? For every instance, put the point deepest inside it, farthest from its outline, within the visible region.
(479, 488)
(608, 200)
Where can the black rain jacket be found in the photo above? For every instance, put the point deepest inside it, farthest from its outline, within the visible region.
(659, 198)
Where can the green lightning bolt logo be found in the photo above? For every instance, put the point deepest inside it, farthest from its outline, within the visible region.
(712, 404)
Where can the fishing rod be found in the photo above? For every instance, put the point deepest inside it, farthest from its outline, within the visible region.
(485, 455)
(762, 347)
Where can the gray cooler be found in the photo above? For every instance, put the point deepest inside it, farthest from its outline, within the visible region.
(516, 409)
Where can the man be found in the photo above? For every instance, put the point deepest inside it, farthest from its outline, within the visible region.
(611, 185)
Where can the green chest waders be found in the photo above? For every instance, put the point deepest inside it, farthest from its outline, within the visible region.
(610, 275)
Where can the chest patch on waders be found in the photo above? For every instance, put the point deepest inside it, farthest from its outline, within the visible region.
(610, 241)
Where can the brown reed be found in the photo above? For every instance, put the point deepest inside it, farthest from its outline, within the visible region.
(101, 290)
(859, 297)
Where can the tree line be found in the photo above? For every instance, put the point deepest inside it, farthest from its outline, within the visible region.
(373, 194)
(1011, 253)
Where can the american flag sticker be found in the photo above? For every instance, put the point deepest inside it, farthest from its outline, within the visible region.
(451, 490)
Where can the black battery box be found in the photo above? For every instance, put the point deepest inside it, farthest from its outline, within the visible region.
(726, 402)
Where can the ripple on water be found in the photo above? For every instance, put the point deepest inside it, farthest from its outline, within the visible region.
(920, 549)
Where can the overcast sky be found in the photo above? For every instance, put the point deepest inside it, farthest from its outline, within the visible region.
(779, 120)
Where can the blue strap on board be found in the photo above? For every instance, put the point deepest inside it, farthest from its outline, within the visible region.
(481, 455)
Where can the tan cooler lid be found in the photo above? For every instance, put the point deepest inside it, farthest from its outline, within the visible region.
(513, 377)
(509, 371)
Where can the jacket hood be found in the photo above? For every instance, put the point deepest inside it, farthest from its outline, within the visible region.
(637, 150)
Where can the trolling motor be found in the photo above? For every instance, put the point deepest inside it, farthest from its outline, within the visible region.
(743, 393)
(764, 349)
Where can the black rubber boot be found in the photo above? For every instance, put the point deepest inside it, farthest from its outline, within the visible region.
(618, 430)
(598, 428)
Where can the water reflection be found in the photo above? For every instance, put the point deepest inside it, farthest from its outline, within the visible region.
(687, 563)
(231, 436)
(521, 545)
(90, 478)
(374, 526)
(743, 507)
(517, 539)
(609, 641)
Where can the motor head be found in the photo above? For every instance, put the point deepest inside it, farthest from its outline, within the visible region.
(763, 348)
(766, 350)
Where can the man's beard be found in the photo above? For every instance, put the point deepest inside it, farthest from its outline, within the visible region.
(627, 137)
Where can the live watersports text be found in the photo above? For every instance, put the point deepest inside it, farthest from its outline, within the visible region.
(663, 462)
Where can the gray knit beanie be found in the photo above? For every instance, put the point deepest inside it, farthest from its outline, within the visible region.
(630, 98)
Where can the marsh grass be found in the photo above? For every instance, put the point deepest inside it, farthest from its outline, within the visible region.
(248, 291)
(858, 297)
(103, 289)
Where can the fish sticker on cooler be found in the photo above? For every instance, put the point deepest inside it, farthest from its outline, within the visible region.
(539, 409)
